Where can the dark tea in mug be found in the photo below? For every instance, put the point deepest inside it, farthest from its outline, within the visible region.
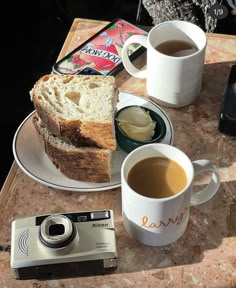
(176, 48)
(157, 177)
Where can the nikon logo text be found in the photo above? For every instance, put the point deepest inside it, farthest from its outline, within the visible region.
(100, 225)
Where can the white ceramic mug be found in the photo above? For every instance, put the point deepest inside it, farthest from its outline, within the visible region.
(161, 221)
(170, 81)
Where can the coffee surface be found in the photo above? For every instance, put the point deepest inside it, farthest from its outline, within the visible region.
(157, 177)
(176, 48)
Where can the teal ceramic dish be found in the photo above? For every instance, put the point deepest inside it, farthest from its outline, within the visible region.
(127, 144)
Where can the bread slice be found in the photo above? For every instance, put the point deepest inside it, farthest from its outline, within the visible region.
(89, 164)
(78, 107)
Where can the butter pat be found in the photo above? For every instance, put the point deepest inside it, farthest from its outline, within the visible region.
(136, 123)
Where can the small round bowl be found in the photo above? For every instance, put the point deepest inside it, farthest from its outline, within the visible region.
(126, 143)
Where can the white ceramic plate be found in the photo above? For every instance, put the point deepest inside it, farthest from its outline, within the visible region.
(30, 155)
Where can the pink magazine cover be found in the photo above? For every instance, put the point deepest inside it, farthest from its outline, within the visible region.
(102, 53)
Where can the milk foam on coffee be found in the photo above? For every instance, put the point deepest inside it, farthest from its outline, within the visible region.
(176, 48)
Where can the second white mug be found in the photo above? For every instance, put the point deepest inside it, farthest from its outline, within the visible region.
(156, 214)
(171, 80)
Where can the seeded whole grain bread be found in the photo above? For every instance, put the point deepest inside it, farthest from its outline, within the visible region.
(78, 107)
(89, 164)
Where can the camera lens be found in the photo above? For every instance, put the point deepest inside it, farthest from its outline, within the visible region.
(56, 231)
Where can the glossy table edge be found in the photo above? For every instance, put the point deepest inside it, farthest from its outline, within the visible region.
(64, 49)
(8, 181)
(216, 35)
(63, 52)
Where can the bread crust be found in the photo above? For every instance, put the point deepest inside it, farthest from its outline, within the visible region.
(78, 132)
(89, 164)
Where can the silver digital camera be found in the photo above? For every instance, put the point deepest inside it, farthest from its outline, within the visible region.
(63, 245)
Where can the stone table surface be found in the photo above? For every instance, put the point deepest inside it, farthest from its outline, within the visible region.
(205, 256)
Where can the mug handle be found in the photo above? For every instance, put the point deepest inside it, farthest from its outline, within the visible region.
(210, 190)
(131, 69)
